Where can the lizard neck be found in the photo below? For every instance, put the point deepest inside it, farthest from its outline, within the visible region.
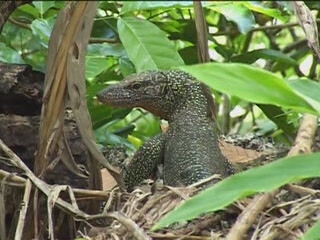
(195, 99)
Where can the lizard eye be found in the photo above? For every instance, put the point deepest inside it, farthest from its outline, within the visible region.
(136, 86)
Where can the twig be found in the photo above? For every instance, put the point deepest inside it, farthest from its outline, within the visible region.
(247, 42)
(3, 229)
(12, 179)
(295, 45)
(65, 206)
(130, 225)
(262, 28)
(174, 236)
(305, 135)
(23, 210)
(249, 215)
(103, 40)
(19, 24)
(303, 191)
(201, 28)
(17, 181)
(308, 24)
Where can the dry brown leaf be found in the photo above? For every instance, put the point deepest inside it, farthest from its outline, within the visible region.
(108, 181)
(236, 154)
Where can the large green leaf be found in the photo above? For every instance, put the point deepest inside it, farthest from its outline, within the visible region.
(100, 57)
(43, 6)
(129, 6)
(250, 83)
(95, 65)
(251, 57)
(238, 14)
(279, 117)
(147, 46)
(42, 28)
(308, 89)
(27, 9)
(260, 179)
(258, 7)
(106, 49)
(9, 55)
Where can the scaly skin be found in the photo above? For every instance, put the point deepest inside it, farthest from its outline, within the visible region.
(189, 149)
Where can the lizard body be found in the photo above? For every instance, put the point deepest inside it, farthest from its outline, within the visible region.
(189, 149)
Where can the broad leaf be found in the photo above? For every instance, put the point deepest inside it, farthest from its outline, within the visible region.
(249, 83)
(129, 6)
(126, 66)
(95, 65)
(43, 6)
(251, 57)
(255, 6)
(279, 117)
(29, 9)
(238, 14)
(42, 28)
(105, 114)
(9, 55)
(147, 46)
(308, 89)
(260, 179)
(106, 49)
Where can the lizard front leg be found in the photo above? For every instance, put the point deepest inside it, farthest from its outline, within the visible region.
(144, 162)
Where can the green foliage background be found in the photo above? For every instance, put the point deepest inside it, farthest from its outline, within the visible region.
(130, 37)
(262, 73)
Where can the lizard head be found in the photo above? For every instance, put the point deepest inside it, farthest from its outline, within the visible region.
(159, 92)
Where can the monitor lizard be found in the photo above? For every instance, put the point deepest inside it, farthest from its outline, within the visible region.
(189, 148)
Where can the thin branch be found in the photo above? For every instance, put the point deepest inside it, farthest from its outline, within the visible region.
(103, 40)
(67, 207)
(262, 28)
(17, 181)
(201, 28)
(247, 42)
(249, 215)
(295, 45)
(19, 23)
(23, 210)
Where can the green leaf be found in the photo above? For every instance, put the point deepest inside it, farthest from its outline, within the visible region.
(255, 6)
(43, 6)
(297, 55)
(9, 55)
(29, 9)
(260, 179)
(129, 6)
(238, 14)
(100, 57)
(189, 55)
(147, 46)
(43, 29)
(279, 117)
(106, 49)
(250, 83)
(313, 233)
(105, 114)
(95, 65)
(126, 66)
(251, 57)
(308, 89)
(105, 137)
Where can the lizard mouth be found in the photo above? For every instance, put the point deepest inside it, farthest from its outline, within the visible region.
(108, 97)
